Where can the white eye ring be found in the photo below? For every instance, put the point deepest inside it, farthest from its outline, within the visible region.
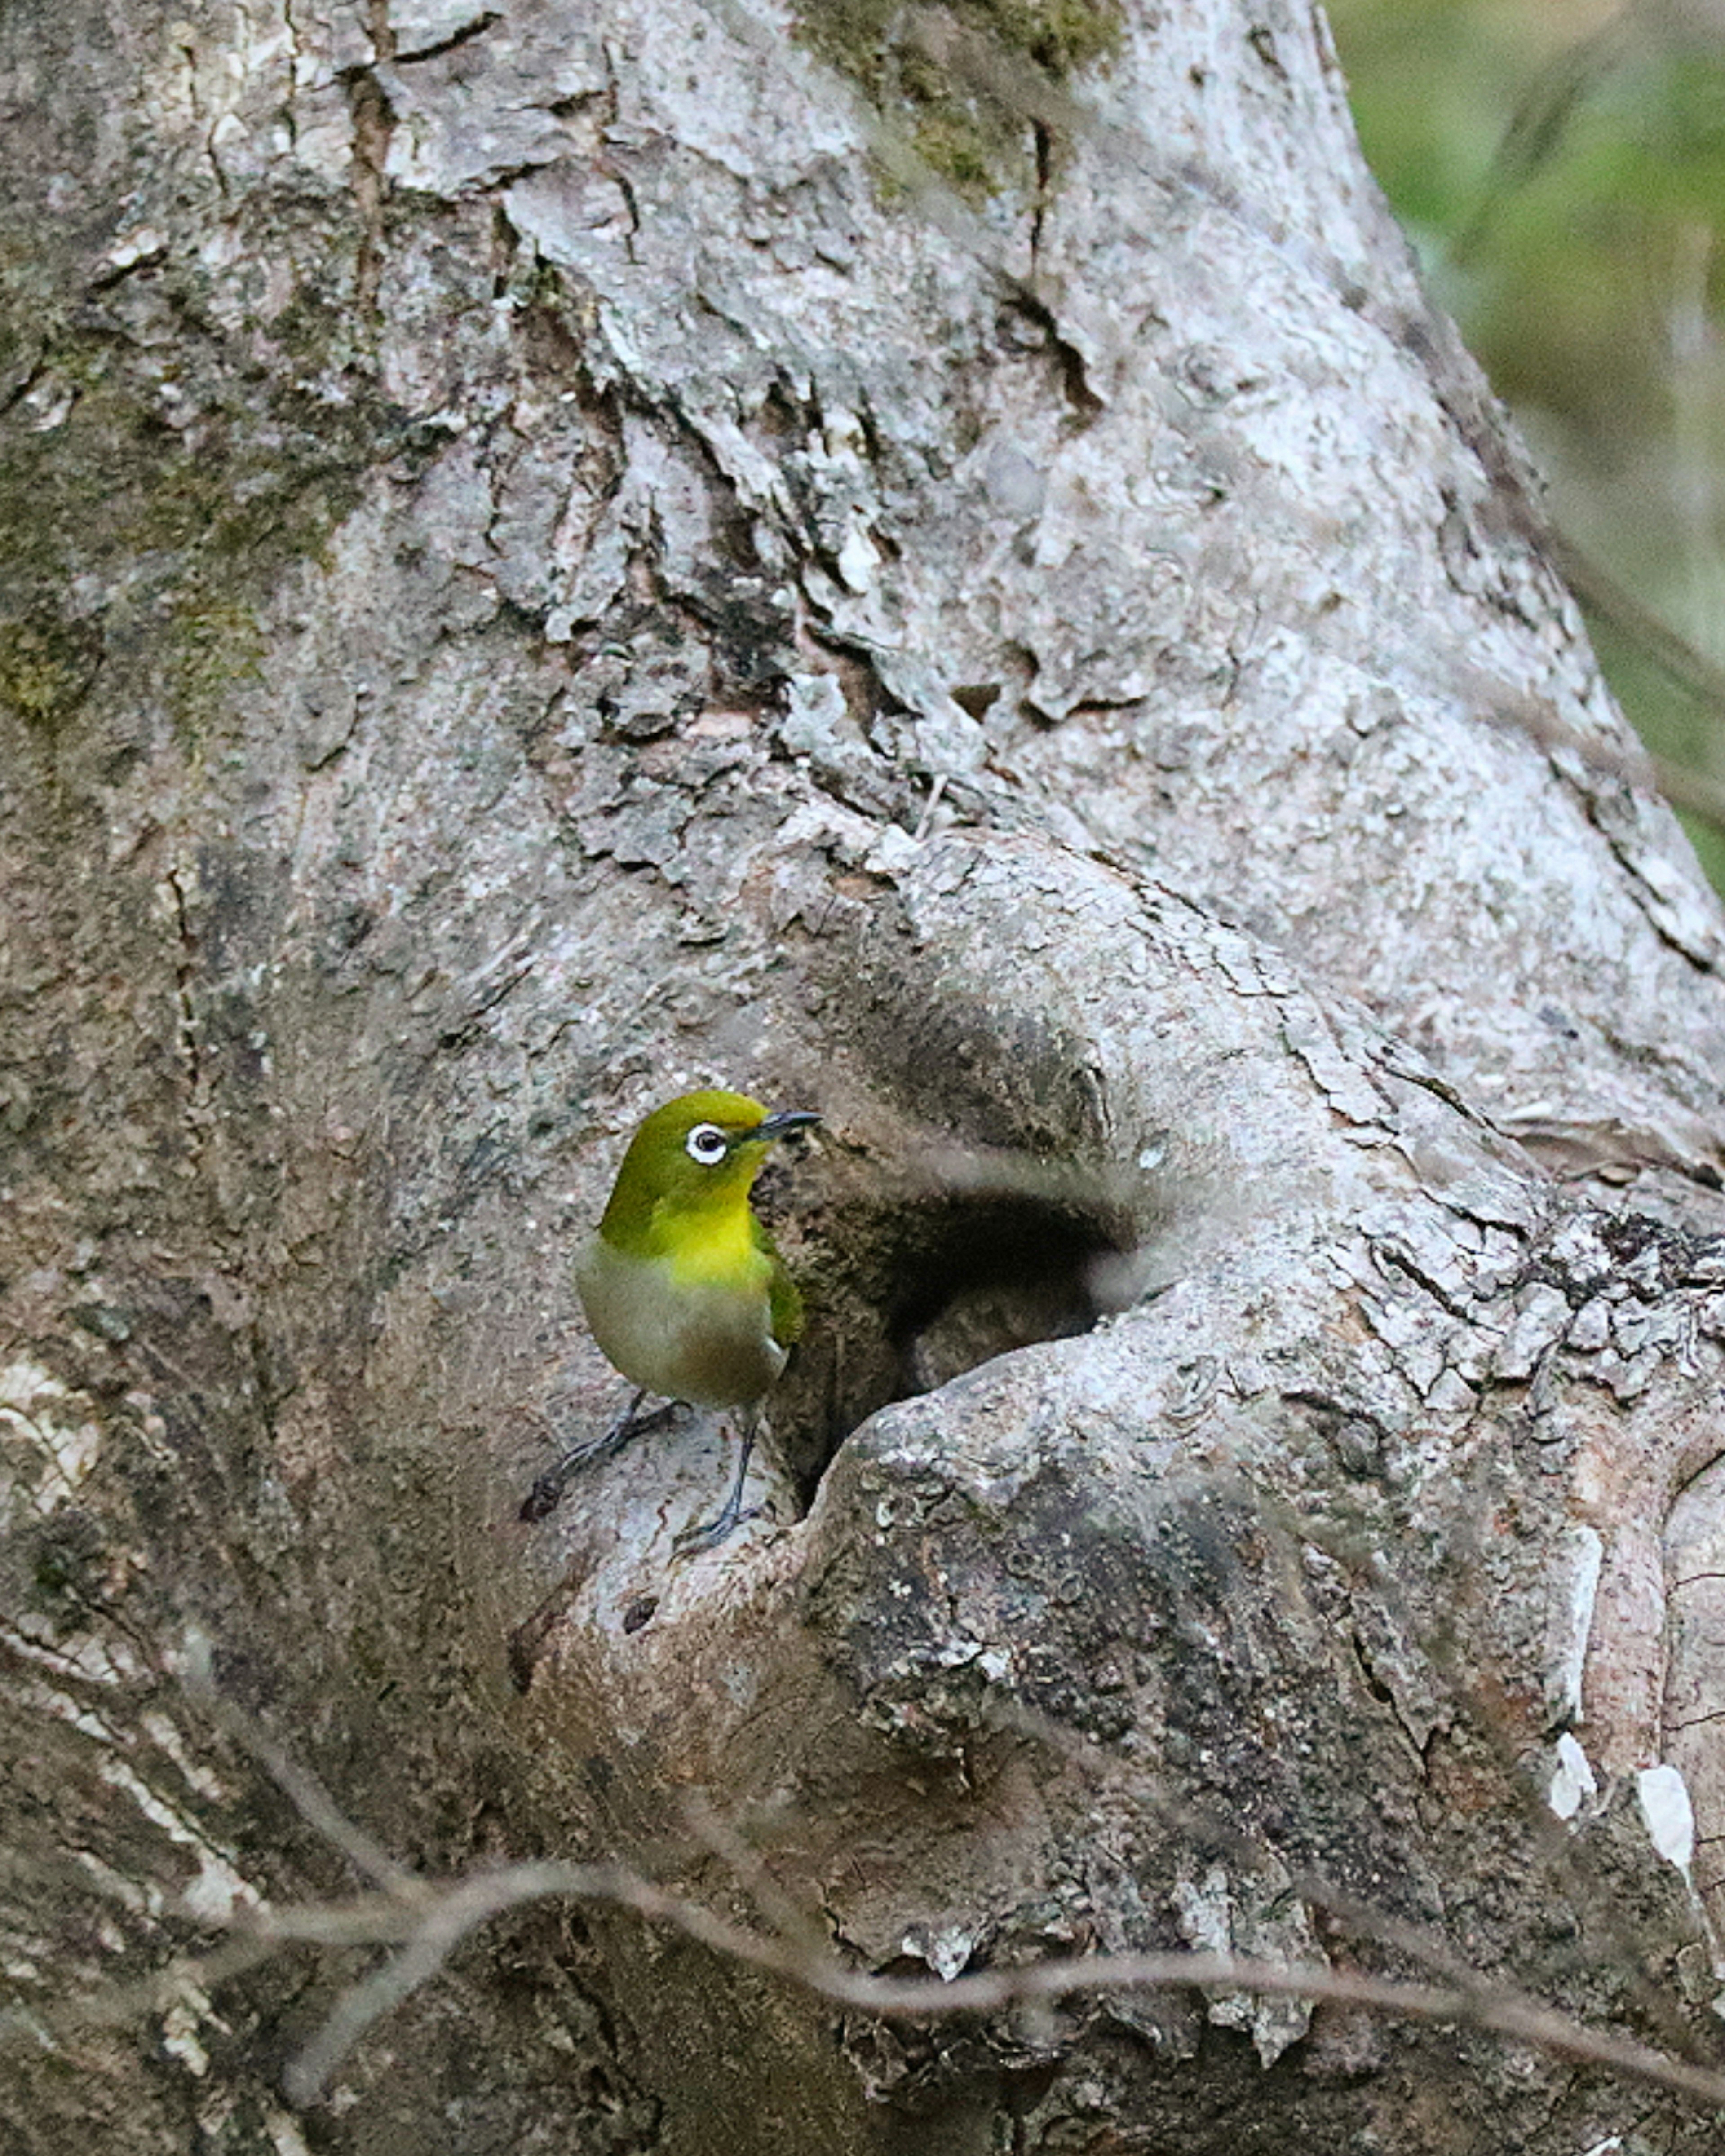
(706, 1143)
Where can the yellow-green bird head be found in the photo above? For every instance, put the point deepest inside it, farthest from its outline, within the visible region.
(682, 1286)
(692, 1161)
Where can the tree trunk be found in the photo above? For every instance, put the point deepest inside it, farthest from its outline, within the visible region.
(939, 568)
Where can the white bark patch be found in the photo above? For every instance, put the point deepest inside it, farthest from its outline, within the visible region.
(1258, 1917)
(1584, 1550)
(81, 1655)
(284, 2136)
(1693, 1711)
(142, 1900)
(163, 1732)
(946, 1948)
(219, 1887)
(417, 23)
(48, 1441)
(1669, 1814)
(1572, 1783)
(1541, 1316)
(180, 2039)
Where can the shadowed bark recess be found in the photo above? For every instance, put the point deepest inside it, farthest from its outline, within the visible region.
(940, 569)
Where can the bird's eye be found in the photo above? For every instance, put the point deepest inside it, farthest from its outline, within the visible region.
(707, 1143)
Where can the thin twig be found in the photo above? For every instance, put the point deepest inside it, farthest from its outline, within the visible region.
(428, 1920)
(788, 1918)
(298, 1783)
(430, 1931)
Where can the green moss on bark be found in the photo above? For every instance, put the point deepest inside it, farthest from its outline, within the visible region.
(166, 504)
(972, 134)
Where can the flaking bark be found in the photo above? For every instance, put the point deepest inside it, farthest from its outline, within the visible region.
(550, 555)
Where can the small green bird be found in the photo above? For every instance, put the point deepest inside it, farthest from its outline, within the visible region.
(682, 1286)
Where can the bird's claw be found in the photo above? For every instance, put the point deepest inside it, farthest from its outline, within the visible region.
(709, 1536)
(542, 1498)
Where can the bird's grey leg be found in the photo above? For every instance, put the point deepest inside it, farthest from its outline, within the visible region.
(543, 1496)
(731, 1515)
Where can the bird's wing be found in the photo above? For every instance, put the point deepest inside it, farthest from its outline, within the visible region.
(784, 1314)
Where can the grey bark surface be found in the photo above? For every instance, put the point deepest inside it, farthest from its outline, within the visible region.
(543, 562)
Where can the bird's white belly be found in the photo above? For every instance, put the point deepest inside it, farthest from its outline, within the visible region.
(695, 1340)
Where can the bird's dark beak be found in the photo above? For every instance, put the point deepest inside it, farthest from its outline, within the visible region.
(785, 1124)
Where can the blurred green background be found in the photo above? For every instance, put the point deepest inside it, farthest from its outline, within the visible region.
(1560, 165)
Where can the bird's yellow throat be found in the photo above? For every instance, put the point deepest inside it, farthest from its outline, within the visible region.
(715, 1246)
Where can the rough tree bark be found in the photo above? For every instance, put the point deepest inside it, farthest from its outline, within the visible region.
(940, 568)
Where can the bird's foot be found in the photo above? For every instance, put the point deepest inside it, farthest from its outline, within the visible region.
(732, 1514)
(542, 1498)
(693, 1540)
